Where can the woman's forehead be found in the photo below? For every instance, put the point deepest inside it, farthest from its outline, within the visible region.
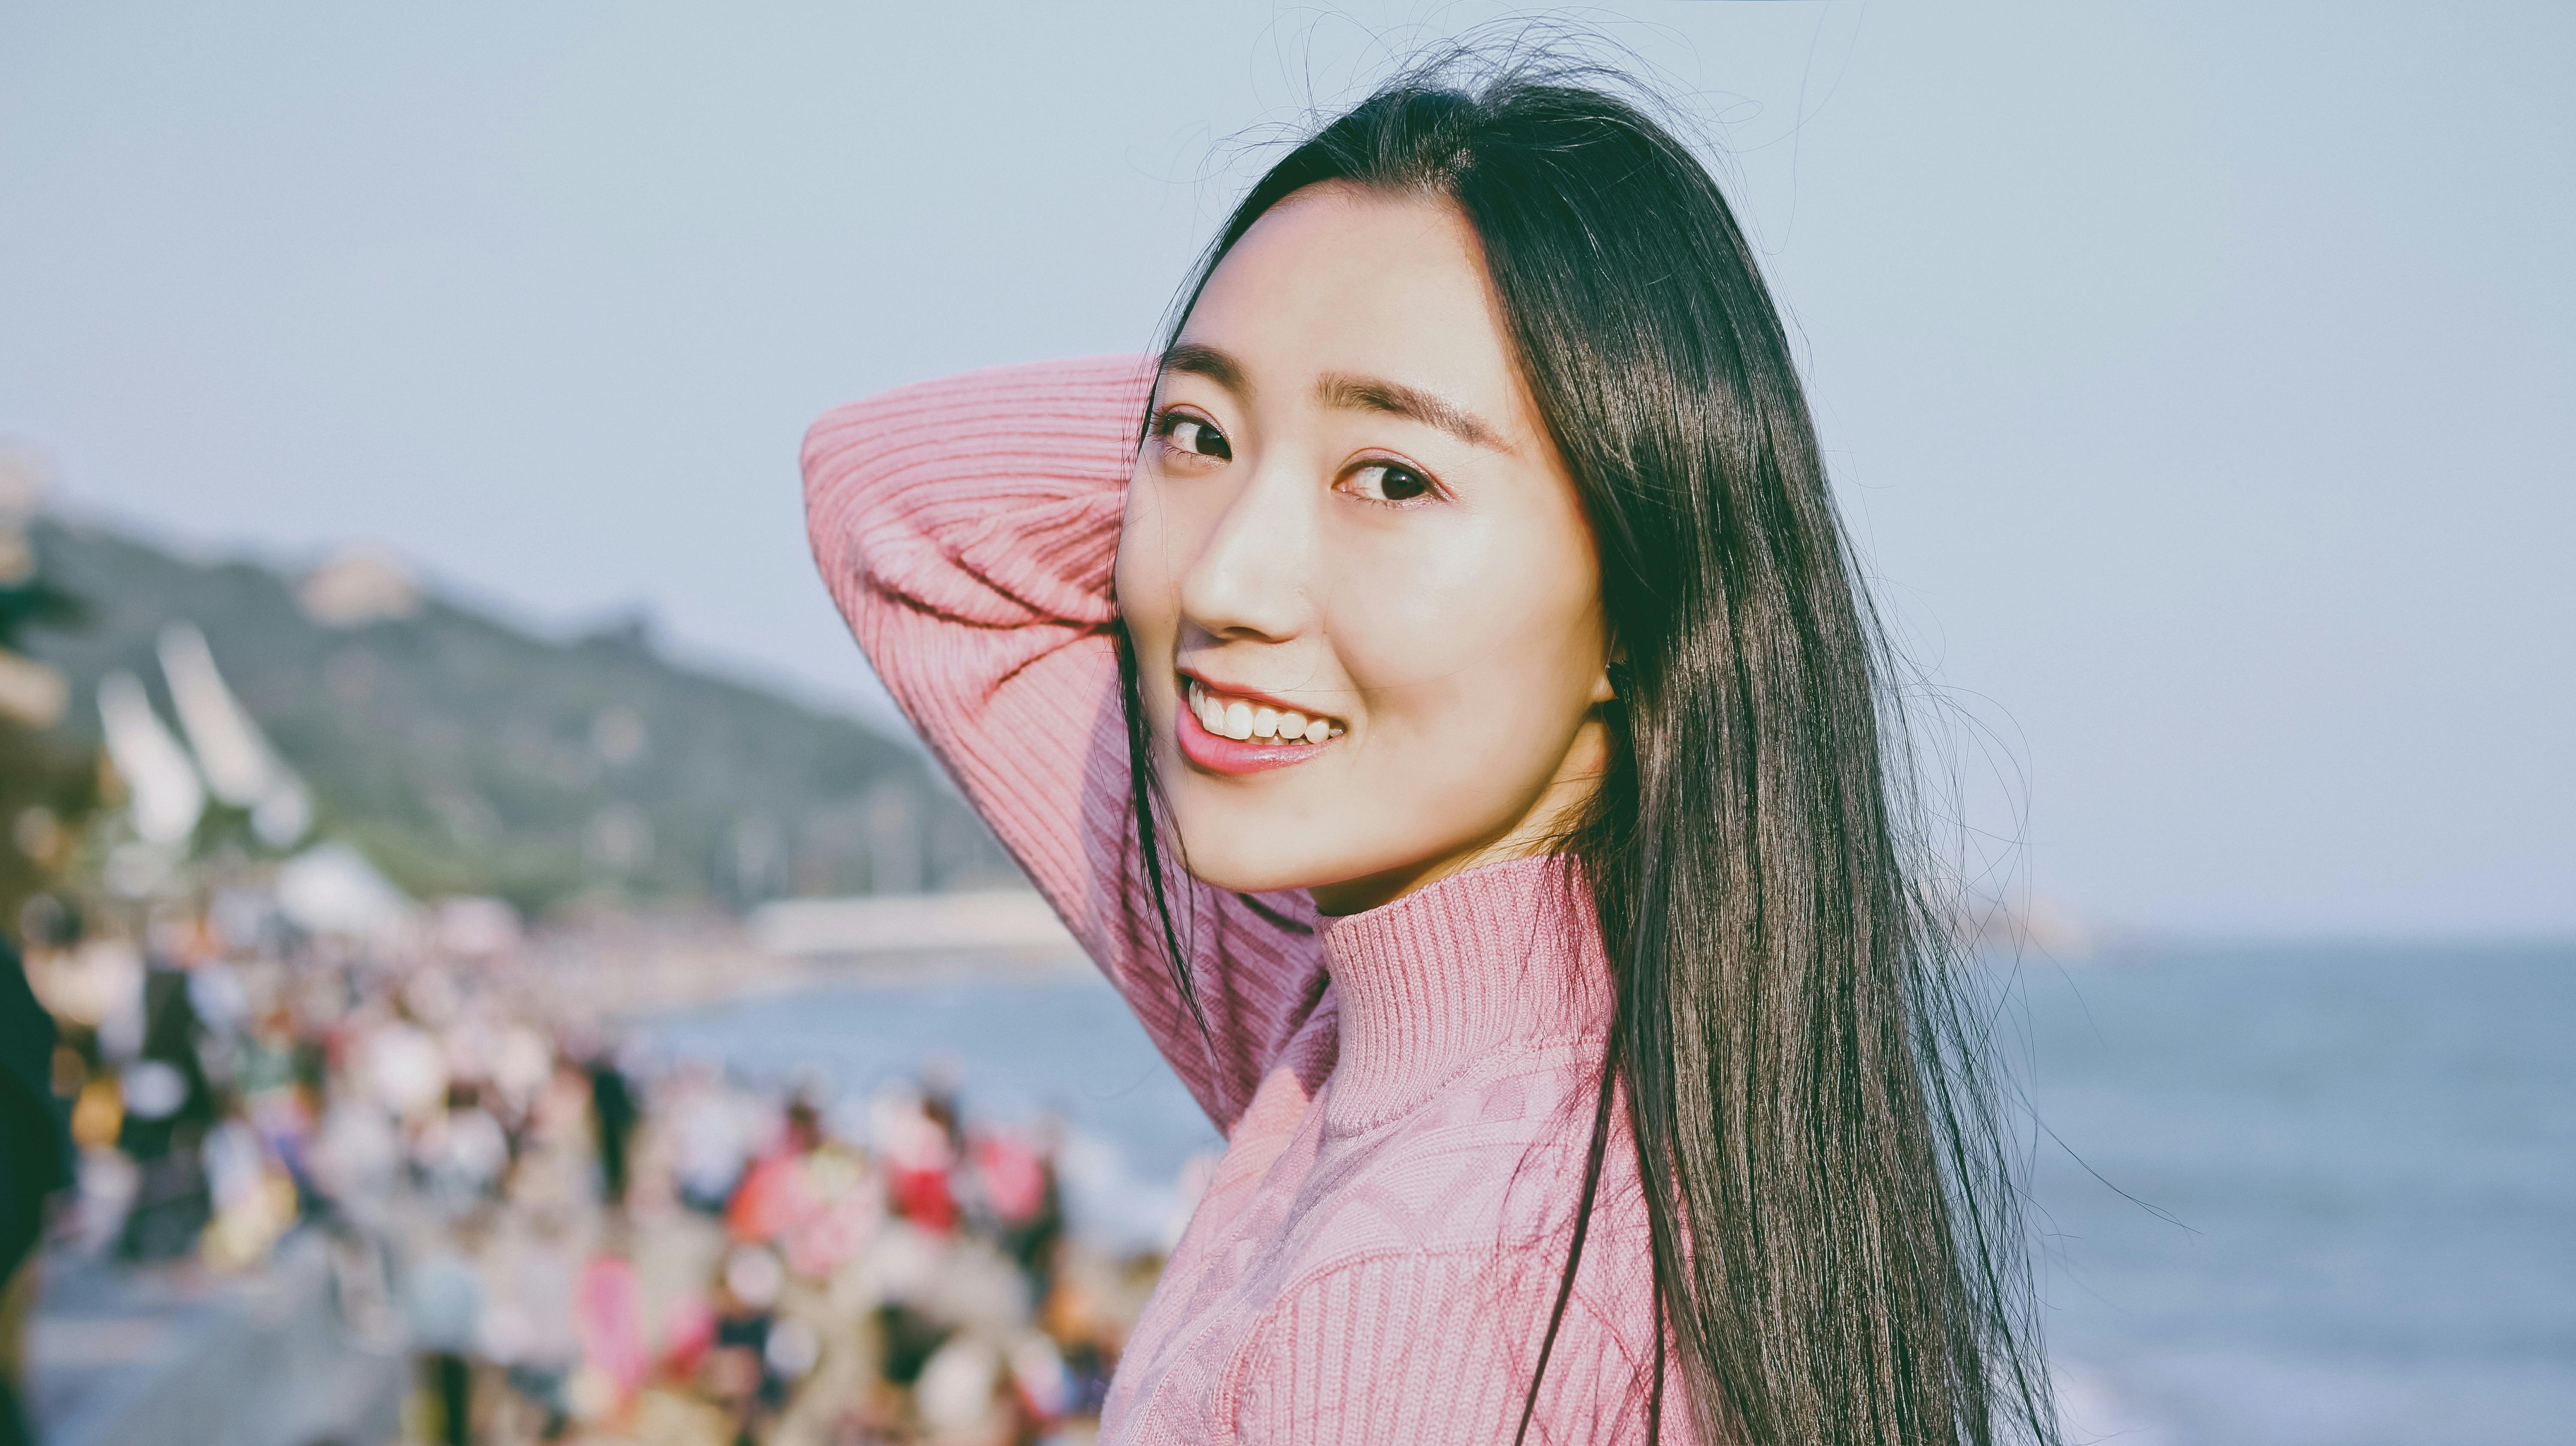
(1338, 282)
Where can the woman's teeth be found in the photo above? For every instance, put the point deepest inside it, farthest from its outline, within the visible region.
(1245, 721)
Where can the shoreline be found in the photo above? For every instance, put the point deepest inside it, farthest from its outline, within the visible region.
(626, 968)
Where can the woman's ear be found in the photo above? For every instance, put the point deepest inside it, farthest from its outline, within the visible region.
(1614, 673)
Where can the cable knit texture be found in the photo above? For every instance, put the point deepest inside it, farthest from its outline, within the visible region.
(1406, 1093)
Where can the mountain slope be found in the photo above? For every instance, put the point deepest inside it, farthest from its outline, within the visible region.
(469, 756)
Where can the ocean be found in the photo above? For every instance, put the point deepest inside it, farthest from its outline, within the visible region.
(2311, 1194)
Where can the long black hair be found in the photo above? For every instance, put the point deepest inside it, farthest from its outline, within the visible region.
(1838, 1246)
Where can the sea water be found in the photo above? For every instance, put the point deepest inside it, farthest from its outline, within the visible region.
(2313, 1194)
(2283, 1195)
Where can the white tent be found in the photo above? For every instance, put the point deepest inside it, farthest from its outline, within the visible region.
(332, 889)
(240, 767)
(167, 795)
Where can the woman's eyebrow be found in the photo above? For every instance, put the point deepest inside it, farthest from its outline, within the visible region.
(1395, 399)
(1208, 362)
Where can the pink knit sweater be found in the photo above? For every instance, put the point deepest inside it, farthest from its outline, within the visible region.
(1406, 1093)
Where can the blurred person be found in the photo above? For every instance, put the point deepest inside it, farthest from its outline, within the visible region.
(942, 1085)
(608, 1318)
(774, 1195)
(1017, 1184)
(1043, 1389)
(614, 1114)
(737, 1366)
(707, 1136)
(555, 1149)
(1437, 692)
(521, 1064)
(442, 1302)
(847, 1206)
(169, 1106)
(812, 1197)
(265, 1067)
(461, 1152)
(282, 1090)
(405, 1069)
(469, 1041)
(531, 1273)
(253, 1200)
(916, 1134)
(35, 1163)
(221, 1004)
(962, 1397)
(355, 1156)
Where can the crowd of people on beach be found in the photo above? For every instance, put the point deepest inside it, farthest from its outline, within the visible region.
(573, 1240)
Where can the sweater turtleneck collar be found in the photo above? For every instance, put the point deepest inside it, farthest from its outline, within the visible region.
(1497, 959)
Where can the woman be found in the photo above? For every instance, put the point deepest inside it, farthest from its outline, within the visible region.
(1452, 720)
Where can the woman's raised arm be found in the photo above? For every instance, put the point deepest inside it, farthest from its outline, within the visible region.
(968, 530)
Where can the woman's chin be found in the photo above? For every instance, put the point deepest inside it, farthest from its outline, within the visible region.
(1342, 882)
(1244, 855)
(1244, 871)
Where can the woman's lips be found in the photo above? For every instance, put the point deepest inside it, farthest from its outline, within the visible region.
(1219, 754)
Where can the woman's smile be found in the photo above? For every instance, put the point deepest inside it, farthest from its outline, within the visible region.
(1237, 733)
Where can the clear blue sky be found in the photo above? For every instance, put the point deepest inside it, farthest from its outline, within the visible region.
(2200, 377)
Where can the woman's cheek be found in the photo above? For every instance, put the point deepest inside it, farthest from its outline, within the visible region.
(1143, 585)
(1468, 707)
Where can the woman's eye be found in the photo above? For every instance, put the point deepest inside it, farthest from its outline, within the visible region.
(1189, 434)
(1388, 482)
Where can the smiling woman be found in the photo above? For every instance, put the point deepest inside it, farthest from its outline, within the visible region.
(1349, 509)
(1451, 719)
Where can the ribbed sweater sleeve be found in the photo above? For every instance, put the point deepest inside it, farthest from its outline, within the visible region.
(968, 530)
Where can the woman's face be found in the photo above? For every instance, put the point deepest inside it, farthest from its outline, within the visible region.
(1348, 524)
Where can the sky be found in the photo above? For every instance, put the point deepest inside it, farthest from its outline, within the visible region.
(2199, 381)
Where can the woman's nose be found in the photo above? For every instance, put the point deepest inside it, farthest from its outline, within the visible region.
(1250, 579)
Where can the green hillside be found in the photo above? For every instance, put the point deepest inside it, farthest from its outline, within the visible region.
(465, 755)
